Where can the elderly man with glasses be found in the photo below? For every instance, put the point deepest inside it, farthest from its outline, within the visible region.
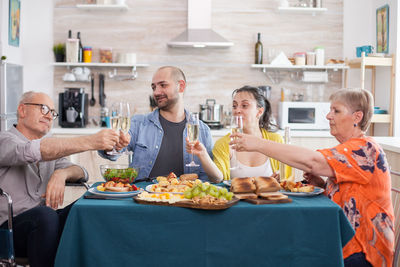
(33, 171)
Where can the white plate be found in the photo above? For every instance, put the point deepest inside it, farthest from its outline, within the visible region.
(227, 182)
(94, 191)
(317, 191)
(148, 189)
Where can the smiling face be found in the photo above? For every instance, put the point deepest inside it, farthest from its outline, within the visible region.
(31, 122)
(244, 104)
(165, 89)
(341, 121)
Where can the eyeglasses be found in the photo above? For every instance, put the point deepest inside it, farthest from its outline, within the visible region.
(45, 109)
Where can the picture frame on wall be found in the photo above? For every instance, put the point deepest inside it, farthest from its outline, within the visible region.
(382, 29)
(14, 22)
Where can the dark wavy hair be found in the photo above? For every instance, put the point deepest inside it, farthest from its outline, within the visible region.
(262, 102)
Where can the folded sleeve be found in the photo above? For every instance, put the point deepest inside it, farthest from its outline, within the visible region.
(15, 151)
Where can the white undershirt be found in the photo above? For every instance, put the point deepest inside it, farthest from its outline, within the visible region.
(246, 171)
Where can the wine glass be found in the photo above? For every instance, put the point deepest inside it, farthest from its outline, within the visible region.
(193, 133)
(116, 112)
(236, 127)
(125, 119)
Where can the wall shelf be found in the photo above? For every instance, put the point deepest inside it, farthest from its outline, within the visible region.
(302, 10)
(273, 72)
(122, 7)
(365, 62)
(98, 64)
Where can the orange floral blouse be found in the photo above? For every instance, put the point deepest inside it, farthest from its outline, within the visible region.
(362, 188)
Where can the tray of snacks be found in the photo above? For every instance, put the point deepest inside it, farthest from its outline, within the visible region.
(258, 190)
(173, 184)
(201, 196)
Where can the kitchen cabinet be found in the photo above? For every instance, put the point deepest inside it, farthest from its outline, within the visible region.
(372, 63)
(273, 72)
(302, 10)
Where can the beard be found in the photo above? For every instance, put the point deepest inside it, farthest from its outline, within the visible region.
(166, 103)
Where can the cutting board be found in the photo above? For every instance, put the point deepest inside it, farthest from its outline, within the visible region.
(260, 201)
(189, 204)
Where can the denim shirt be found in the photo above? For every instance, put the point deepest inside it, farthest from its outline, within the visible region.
(146, 137)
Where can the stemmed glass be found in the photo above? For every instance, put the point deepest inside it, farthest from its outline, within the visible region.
(125, 119)
(193, 133)
(236, 127)
(116, 119)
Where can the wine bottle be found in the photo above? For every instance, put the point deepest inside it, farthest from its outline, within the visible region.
(259, 50)
(69, 34)
(80, 50)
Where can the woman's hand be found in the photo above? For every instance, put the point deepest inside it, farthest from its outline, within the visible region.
(195, 148)
(124, 140)
(245, 142)
(314, 179)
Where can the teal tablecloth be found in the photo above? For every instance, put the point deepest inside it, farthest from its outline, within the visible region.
(306, 232)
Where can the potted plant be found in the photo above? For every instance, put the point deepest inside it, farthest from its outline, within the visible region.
(59, 52)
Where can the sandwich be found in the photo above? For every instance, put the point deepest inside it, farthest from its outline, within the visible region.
(246, 196)
(272, 196)
(243, 185)
(189, 177)
(266, 184)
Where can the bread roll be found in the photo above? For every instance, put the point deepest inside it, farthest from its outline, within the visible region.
(246, 196)
(189, 177)
(243, 185)
(266, 184)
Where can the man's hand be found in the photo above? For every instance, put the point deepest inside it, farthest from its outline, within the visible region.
(124, 140)
(104, 140)
(55, 189)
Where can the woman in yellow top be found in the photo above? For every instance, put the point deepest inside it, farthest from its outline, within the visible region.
(255, 110)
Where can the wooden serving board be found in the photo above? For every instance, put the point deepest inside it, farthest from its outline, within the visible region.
(260, 201)
(189, 204)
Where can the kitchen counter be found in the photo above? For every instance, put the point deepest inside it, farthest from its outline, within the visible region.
(389, 143)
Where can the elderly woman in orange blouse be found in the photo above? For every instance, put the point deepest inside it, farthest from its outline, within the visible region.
(358, 175)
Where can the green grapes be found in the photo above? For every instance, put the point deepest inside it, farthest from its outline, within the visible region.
(204, 189)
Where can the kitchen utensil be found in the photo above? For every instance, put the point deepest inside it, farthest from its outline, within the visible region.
(92, 100)
(212, 113)
(102, 96)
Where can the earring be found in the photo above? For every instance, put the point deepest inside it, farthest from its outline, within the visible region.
(355, 125)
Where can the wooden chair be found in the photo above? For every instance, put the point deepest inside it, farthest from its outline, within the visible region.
(396, 208)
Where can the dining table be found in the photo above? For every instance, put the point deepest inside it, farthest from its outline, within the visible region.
(309, 231)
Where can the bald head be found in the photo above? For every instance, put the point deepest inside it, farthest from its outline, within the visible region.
(175, 73)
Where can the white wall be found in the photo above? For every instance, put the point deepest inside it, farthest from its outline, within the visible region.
(35, 45)
(359, 28)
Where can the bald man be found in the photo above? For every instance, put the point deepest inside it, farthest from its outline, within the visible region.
(158, 139)
(33, 171)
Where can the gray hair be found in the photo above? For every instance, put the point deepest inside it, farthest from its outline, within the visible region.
(356, 99)
(26, 97)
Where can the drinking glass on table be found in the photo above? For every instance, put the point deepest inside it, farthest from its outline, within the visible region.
(236, 127)
(193, 133)
(125, 119)
(116, 113)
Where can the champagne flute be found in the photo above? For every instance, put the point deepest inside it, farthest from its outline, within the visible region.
(236, 127)
(193, 133)
(125, 119)
(116, 110)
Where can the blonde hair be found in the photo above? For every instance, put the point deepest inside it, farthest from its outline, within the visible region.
(356, 99)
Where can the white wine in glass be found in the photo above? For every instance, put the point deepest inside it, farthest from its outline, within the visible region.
(116, 110)
(125, 119)
(236, 127)
(193, 133)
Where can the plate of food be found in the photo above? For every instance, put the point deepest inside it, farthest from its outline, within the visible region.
(299, 189)
(113, 194)
(172, 176)
(157, 188)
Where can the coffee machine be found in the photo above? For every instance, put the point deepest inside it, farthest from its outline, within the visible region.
(73, 108)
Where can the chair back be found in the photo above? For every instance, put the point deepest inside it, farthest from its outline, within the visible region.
(6, 235)
(396, 208)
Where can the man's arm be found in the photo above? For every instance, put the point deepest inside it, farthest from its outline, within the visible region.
(56, 186)
(54, 148)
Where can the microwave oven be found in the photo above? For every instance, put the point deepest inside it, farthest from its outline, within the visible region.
(304, 115)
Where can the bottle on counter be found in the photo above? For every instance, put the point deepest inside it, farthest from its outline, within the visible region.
(71, 49)
(258, 50)
(80, 49)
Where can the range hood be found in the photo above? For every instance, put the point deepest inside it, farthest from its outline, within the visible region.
(199, 33)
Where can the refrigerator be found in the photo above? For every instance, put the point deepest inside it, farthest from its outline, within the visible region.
(11, 89)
